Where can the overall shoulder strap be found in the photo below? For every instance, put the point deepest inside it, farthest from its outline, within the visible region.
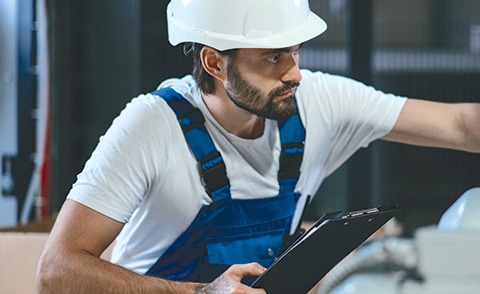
(210, 162)
(292, 140)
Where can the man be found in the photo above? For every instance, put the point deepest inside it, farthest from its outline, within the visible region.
(263, 133)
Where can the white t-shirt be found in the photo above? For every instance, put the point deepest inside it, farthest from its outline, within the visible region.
(143, 174)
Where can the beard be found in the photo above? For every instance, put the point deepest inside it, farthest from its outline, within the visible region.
(250, 98)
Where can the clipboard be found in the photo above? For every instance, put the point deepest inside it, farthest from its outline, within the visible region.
(309, 258)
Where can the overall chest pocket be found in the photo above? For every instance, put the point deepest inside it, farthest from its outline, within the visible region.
(261, 248)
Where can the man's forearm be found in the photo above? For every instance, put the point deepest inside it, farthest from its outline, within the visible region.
(84, 273)
(471, 125)
(442, 125)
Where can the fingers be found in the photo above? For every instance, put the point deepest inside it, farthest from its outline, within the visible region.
(231, 280)
(240, 271)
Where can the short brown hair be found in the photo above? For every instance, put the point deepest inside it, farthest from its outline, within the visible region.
(204, 80)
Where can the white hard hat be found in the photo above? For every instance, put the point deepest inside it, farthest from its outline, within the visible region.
(231, 24)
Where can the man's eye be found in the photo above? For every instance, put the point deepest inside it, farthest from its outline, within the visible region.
(274, 58)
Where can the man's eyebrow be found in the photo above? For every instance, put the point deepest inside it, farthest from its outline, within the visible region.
(282, 50)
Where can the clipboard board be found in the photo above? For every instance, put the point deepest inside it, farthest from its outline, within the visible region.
(308, 259)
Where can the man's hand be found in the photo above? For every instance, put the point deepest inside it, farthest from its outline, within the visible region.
(231, 280)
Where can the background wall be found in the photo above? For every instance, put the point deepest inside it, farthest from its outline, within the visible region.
(106, 52)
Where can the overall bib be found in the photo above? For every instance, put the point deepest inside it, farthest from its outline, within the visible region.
(230, 231)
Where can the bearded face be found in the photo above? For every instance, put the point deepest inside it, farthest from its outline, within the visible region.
(275, 104)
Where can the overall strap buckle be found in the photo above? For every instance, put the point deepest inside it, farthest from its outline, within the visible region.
(290, 160)
(191, 119)
(213, 171)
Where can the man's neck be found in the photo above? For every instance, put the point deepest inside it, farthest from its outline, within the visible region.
(234, 119)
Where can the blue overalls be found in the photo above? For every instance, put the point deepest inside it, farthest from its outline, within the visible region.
(230, 231)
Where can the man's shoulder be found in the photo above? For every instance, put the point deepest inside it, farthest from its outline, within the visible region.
(185, 86)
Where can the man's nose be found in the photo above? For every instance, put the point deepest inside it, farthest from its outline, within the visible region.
(292, 73)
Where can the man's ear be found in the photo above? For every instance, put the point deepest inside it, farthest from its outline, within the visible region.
(213, 62)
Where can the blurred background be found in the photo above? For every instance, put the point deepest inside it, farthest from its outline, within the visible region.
(67, 68)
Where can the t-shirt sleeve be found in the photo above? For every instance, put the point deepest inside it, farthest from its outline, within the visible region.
(350, 114)
(116, 177)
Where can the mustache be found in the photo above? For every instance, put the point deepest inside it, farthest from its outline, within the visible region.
(285, 88)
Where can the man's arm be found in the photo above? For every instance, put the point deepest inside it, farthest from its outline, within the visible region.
(70, 262)
(434, 124)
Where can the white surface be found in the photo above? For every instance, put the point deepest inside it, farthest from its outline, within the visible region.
(464, 214)
(448, 257)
